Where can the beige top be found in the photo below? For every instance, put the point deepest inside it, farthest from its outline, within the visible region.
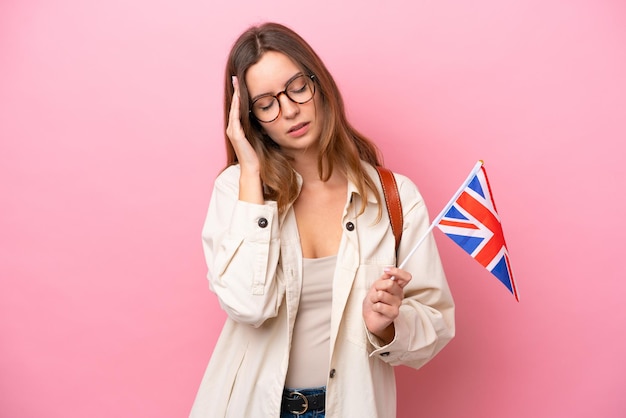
(310, 346)
(255, 263)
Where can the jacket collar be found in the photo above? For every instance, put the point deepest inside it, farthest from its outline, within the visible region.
(371, 198)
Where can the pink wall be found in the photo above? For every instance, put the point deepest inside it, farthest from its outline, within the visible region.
(111, 135)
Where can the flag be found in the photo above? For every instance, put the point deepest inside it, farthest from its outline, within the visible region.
(471, 220)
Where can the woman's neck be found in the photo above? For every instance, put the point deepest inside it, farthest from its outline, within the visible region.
(305, 163)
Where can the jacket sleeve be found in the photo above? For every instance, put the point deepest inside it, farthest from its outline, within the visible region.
(426, 320)
(242, 246)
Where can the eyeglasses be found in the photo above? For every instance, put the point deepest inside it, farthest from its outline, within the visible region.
(300, 90)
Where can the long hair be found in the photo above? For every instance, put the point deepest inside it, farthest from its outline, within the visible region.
(341, 145)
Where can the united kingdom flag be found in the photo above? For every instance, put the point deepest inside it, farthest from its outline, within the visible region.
(473, 223)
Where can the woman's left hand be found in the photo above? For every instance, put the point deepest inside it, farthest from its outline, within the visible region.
(381, 305)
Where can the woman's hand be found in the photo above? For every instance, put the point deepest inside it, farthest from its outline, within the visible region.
(381, 305)
(250, 189)
(245, 153)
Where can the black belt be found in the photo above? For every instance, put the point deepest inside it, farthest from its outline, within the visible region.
(297, 403)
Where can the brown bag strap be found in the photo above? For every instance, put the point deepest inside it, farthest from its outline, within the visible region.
(392, 200)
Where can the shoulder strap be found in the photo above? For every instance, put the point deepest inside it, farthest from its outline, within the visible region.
(392, 200)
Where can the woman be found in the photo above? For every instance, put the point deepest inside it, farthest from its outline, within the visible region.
(300, 251)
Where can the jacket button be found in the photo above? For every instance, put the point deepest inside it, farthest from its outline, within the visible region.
(332, 373)
(262, 222)
(385, 354)
(350, 226)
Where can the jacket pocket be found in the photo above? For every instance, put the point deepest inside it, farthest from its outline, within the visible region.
(354, 326)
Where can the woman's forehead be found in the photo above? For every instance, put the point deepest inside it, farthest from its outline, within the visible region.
(270, 73)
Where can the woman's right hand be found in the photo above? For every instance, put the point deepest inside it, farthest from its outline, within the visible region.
(250, 188)
(246, 155)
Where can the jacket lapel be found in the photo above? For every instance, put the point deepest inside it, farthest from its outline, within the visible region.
(347, 265)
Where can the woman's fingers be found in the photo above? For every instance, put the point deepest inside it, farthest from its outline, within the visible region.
(388, 292)
(381, 298)
(402, 277)
(381, 306)
(234, 122)
(385, 295)
(388, 311)
(246, 155)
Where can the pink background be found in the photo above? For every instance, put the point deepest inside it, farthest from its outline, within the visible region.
(111, 136)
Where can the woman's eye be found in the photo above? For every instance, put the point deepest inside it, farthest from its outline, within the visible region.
(298, 89)
(268, 107)
(264, 105)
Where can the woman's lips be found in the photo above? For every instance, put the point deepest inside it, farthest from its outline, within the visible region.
(299, 129)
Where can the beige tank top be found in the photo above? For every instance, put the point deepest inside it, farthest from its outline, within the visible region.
(310, 346)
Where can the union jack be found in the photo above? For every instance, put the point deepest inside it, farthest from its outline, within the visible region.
(474, 224)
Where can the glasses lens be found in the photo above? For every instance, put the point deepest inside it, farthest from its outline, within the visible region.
(266, 108)
(301, 89)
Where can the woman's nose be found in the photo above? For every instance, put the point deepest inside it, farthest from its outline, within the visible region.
(289, 108)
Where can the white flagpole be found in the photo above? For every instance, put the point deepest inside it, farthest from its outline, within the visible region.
(443, 212)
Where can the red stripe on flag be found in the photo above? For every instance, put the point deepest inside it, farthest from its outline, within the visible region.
(484, 216)
(458, 224)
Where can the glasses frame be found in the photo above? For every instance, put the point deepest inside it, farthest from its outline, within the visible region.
(276, 96)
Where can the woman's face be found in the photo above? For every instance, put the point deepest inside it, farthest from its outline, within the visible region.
(298, 126)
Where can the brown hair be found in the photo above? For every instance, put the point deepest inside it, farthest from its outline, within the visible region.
(340, 144)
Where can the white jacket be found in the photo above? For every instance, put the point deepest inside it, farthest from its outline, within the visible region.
(255, 268)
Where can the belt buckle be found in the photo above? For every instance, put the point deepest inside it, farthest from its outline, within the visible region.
(306, 403)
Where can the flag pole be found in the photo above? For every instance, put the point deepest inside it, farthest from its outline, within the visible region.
(469, 178)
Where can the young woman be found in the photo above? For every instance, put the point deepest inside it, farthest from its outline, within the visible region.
(300, 251)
